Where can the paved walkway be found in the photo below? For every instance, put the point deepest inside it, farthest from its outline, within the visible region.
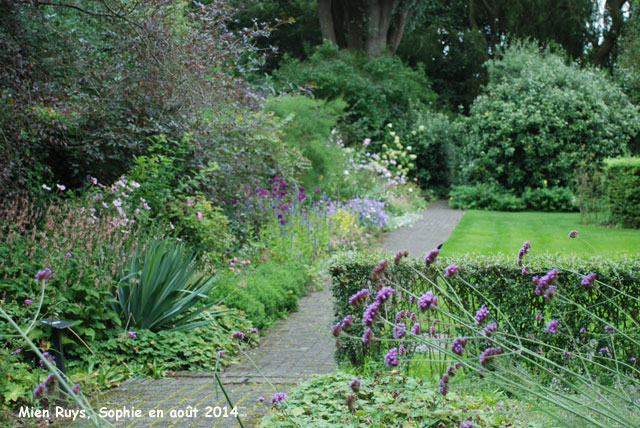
(438, 221)
(290, 352)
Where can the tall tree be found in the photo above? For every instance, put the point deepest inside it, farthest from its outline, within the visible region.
(604, 31)
(374, 25)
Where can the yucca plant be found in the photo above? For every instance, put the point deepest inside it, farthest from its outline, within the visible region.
(161, 289)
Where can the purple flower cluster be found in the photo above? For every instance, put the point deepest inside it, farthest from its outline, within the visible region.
(378, 269)
(399, 330)
(39, 390)
(525, 269)
(359, 297)
(450, 271)
(370, 212)
(347, 321)
(467, 424)
(523, 251)
(399, 256)
(415, 329)
(444, 380)
(238, 335)
(487, 355)
(44, 274)
(277, 397)
(489, 329)
(552, 326)
(367, 336)
(384, 294)
(132, 334)
(391, 359)
(481, 315)
(588, 279)
(543, 284)
(370, 313)
(458, 344)
(400, 315)
(427, 300)
(49, 357)
(573, 234)
(355, 384)
(431, 256)
(336, 329)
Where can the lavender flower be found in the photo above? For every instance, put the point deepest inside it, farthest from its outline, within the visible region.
(431, 257)
(277, 397)
(355, 384)
(415, 329)
(551, 326)
(28, 302)
(457, 346)
(367, 336)
(588, 279)
(44, 274)
(359, 297)
(450, 270)
(391, 359)
(427, 300)
(481, 314)
(399, 330)
(384, 294)
(370, 313)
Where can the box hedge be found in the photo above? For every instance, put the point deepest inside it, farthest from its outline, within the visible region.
(621, 184)
(499, 279)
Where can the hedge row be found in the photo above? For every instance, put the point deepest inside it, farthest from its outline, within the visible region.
(621, 183)
(499, 280)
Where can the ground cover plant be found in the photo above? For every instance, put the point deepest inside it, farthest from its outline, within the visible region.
(489, 232)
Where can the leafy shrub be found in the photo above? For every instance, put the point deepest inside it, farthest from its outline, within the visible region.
(352, 272)
(549, 199)
(539, 117)
(161, 290)
(621, 184)
(385, 400)
(308, 124)
(265, 293)
(484, 196)
(377, 90)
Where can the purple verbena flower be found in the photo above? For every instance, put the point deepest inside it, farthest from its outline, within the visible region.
(39, 390)
(355, 384)
(277, 397)
(367, 336)
(391, 359)
(608, 327)
(582, 330)
(588, 279)
(359, 297)
(489, 329)
(573, 234)
(551, 326)
(481, 314)
(431, 257)
(457, 346)
(427, 300)
(347, 321)
(238, 335)
(467, 424)
(336, 329)
(44, 274)
(17, 351)
(384, 294)
(370, 313)
(487, 355)
(400, 315)
(28, 302)
(399, 256)
(132, 334)
(261, 399)
(450, 270)
(538, 316)
(525, 269)
(399, 330)
(76, 388)
(415, 329)
(254, 330)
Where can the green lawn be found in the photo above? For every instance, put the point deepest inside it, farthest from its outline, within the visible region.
(491, 232)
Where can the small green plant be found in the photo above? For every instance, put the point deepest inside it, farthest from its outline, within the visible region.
(161, 289)
(621, 184)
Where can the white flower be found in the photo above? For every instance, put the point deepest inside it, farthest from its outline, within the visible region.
(45, 187)
(134, 184)
(346, 172)
(393, 134)
(61, 187)
(117, 202)
(421, 128)
(389, 125)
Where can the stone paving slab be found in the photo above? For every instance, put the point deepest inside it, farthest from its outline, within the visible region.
(435, 227)
(290, 352)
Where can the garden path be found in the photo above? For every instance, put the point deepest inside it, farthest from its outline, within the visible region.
(291, 351)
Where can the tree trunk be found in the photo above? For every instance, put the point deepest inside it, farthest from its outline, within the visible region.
(473, 23)
(338, 14)
(602, 51)
(354, 17)
(397, 29)
(378, 13)
(326, 21)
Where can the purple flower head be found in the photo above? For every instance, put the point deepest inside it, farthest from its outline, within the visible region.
(633, 360)
(543, 283)
(588, 279)
(17, 351)
(39, 390)
(399, 330)
(76, 388)
(132, 334)
(489, 329)
(400, 315)
(431, 257)
(450, 270)
(378, 269)
(391, 359)
(367, 336)
(481, 314)
(44, 274)
(359, 297)
(467, 424)
(608, 328)
(573, 234)
(427, 300)
(457, 346)
(582, 330)
(261, 399)
(355, 385)
(347, 321)
(413, 316)
(336, 329)
(550, 293)
(68, 255)
(48, 356)
(566, 354)
(238, 335)
(219, 354)
(412, 299)
(399, 256)
(604, 350)
(317, 189)
(401, 349)
(370, 313)
(49, 380)
(415, 329)
(277, 397)
(525, 269)
(432, 331)
(538, 316)
(488, 354)
(384, 294)
(28, 302)
(551, 326)
(254, 330)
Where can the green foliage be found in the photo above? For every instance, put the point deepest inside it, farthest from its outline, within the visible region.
(387, 400)
(621, 184)
(308, 125)
(202, 225)
(377, 90)
(265, 293)
(485, 196)
(539, 117)
(161, 290)
(491, 276)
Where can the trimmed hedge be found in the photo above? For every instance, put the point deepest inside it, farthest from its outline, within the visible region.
(500, 279)
(621, 183)
(266, 293)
